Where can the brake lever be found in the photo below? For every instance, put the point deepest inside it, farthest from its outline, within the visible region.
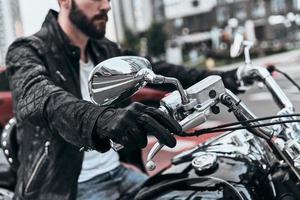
(198, 117)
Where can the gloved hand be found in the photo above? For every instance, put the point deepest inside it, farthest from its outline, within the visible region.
(271, 68)
(130, 126)
(231, 82)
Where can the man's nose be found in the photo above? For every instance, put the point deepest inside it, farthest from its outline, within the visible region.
(105, 5)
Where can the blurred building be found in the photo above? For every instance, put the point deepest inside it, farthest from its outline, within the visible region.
(200, 25)
(136, 16)
(275, 22)
(10, 25)
(206, 28)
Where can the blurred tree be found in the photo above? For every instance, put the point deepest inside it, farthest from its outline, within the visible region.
(131, 41)
(156, 37)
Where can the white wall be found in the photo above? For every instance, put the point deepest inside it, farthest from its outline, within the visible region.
(115, 29)
(143, 14)
(111, 32)
(8, 23)
(33, 13)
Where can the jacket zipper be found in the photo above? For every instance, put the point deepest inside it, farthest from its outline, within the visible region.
(39, 163)
(61, 76)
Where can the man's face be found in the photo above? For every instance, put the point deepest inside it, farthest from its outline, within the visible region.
(90, 16)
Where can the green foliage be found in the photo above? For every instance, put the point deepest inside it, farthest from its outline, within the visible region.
(131, 41)
(156, 37)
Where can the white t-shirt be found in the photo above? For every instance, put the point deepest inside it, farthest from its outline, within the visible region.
(94, 162)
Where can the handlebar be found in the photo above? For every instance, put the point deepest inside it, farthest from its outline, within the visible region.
(195, 108)
(281, 99)
(243, 113)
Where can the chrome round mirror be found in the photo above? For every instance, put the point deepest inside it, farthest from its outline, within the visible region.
(236, 47)
(116, 79)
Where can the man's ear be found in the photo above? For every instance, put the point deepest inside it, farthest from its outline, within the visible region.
(66, 4)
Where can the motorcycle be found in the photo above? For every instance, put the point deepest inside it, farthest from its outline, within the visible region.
(253, 160)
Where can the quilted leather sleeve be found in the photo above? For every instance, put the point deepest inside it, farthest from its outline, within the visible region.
(38, 100)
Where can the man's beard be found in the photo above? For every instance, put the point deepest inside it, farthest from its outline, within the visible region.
(81, 21)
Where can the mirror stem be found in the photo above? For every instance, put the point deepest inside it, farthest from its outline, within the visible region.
(178, 85)
(248, 45)
(150, 77)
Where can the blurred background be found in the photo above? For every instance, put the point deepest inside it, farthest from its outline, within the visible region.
(191, 32)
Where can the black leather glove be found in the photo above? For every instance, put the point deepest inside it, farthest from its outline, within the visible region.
(130, 126)
(230, 81)
(271, 68)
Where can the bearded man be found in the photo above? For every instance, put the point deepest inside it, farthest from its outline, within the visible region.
(48, 75)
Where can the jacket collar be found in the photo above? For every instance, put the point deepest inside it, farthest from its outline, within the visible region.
(96, 48)
(61, 39)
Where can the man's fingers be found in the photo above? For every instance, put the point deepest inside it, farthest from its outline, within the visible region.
(154, 128)
(166, 120)
(139, 138)
(131, 126)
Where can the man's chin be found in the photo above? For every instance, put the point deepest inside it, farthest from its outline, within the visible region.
(97, 35)
(95, 32)
(100, 27)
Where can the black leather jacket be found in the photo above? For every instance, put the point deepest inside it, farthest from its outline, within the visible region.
(53, 121)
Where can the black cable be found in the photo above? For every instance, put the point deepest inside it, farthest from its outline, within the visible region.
(213, 129)
(249, 121)
(244, 127)
(288, 77)
(255, 120)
